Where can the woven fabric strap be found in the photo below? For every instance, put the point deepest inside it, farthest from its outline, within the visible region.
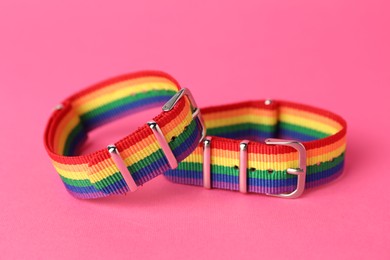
(96, 175)
(322, 133)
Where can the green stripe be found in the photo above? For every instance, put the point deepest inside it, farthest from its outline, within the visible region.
(240, 127)
(77, 183)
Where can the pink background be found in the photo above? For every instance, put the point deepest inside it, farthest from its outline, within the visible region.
(331, 54)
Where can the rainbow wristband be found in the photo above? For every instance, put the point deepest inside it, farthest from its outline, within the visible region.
(148, 152)
(310, 152)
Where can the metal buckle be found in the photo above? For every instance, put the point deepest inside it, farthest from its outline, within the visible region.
(243, 168)
(195, 112)
(116, 157)
(300, 171)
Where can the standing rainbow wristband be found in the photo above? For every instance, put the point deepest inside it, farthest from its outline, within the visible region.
(310, 153)
(137, 158)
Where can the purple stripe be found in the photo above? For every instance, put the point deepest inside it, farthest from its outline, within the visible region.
(252, 189)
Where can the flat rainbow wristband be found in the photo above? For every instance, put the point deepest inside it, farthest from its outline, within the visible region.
(310, 152)
(139, 157)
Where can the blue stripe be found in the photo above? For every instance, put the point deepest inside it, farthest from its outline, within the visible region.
(288, 134)
(77, 141)
(326, 173)
(146, 171)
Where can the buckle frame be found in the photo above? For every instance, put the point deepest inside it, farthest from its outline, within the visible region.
(300, 171)
(195, 109)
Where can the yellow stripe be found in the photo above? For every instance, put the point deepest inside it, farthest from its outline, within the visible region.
(178, 127)
(326, 157)
(109, 170)
(74, 175)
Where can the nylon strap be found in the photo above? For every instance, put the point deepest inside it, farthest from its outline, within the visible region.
(96, 175)
(321, 132)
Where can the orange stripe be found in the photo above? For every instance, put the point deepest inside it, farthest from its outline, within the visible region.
(326, 149)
